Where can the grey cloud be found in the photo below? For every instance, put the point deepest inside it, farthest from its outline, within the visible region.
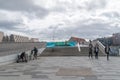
(8, 25)
(15, 5)
(90, 31)
(111, 14)
(16, 26)
(95, 4)
(23, 6)
(59, 9)
(90, 5)
(89, 28)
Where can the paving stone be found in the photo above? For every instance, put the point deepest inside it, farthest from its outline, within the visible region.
(90, 78)
(40, 76)
(32, 73)
(72, 78)
(9, 75)
(109, 77)
(74, 72)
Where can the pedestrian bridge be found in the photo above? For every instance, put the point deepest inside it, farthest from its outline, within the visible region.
(9, 51)
(66, 63)
(69, 49)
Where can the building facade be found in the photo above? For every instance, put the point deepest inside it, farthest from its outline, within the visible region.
(18, 38)
(34, 40)
(116, 39)
(106, 40)
(78, 40)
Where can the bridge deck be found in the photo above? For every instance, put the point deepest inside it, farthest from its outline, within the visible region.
(67, 51)
(63, 68)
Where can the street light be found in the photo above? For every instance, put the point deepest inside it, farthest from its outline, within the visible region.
(54, 29)
(53, 35)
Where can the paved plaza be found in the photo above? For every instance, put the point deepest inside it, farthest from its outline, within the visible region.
(63, 68)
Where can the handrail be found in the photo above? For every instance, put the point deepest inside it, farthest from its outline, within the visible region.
(101, 46)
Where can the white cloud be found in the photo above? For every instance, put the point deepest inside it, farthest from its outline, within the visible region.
(113, 5)
(38, 18)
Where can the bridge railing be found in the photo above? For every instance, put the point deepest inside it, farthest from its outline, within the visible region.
(114, 50)
(101, 46)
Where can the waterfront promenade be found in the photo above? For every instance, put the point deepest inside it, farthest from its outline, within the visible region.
(63, 68)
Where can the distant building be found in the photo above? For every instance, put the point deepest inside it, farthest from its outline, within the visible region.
(34, 40)
(116, 39)
(18, 38)
(78, 40)
(6, 38)
(1, 36)
(113, 40)
(106, 41)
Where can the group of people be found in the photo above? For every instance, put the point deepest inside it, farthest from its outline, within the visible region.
(95, 49)
(24, 57)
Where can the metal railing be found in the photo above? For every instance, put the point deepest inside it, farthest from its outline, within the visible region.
(101, 46)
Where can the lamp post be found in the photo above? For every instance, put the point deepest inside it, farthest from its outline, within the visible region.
(54, 30)
(53, 35)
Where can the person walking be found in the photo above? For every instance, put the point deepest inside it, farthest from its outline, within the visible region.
(90, 49)
(96, 51)
(107, 51)
(35, 52)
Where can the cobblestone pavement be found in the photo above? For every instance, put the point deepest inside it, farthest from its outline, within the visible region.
(63, 68)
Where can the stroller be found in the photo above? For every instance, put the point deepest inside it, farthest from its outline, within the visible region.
(23, 57)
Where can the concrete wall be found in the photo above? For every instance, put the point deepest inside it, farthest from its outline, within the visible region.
(12, 58)
(9, 51)
(1, 36)
(12, 48)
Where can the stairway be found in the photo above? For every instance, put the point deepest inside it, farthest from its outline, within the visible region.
(67, 51)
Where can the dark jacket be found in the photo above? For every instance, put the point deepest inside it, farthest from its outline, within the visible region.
(35, 50)
(107, 49)
(96, 49)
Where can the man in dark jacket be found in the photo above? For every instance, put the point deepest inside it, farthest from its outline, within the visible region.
(35, 52)
(107, 51)
(96, 51)
(90, 49)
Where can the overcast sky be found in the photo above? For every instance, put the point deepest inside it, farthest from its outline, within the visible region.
(60, 18)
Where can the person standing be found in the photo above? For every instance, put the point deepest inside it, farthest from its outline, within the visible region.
(96, 51)
(107, 51)
(32, 55)
(90, 49)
